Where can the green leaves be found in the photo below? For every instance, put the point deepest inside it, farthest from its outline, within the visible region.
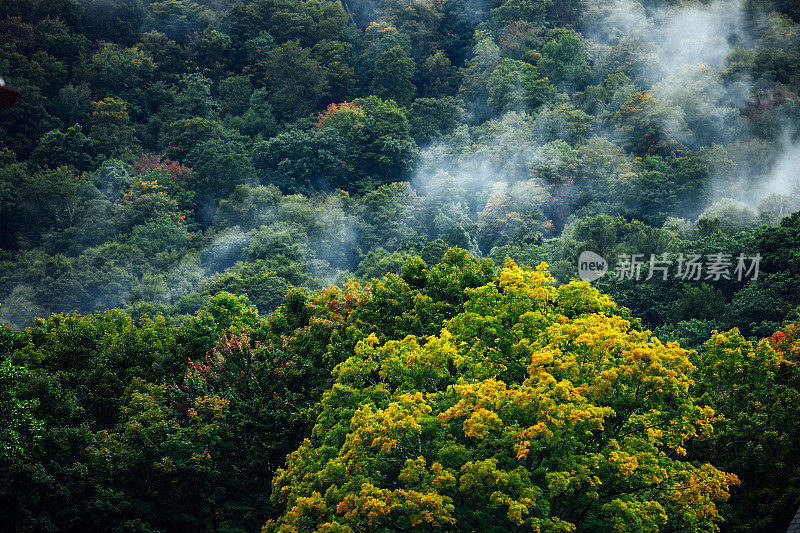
(20, 430)
(589, 434)
(517, 85)
(755, 389)
(392, 75)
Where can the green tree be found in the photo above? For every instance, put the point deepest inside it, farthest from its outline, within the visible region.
(178, 18)
(297, 81)
(302, 161)
(74, 104)
(183, 135)
(70, 147)
(195, 97)
(114, 21)
(432, 118)
(219, 165)
(754, 388)
(640, 122)
(336, 58)
(378, 139)
(258, 120)
(257, 280)
(565, 59)
(516, 85)
(392, 76)
(21, 430)
(123, 73)
(112, 130)
(212, 50)
(234, 95)
(168, 55)
(474, 77)
(438, 76)
(514, 10)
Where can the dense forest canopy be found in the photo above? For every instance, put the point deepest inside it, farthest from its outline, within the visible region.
(310, 265)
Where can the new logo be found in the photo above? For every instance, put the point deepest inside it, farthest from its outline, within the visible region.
(591, 266)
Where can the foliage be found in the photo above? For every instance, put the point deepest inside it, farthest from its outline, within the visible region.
(754, 387)
(189, 188)
(537, 407)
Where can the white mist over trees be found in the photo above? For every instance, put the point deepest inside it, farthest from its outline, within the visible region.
(309, 265)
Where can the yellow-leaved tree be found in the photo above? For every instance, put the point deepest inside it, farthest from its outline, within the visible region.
(539, 408)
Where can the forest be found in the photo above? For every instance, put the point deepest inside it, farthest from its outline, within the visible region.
(319, 266)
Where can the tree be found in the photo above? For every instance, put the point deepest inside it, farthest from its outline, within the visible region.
(178, 161)
(218, 166)
(74, 105)
(234, 95)
(336, 58)
(44, 199)
(519, 414)
(240, 208)
(195, 97)
(755, 388)
(258, 120)
(789, 9)
(178, 173)
(473, 90)
(21, 430)
(27, 120)
(297, 81)
(516, 85)
(123, 73)
(68, 11)
(54, 37)
(223, 312)
(114, 21)
(387, 216)
(302, 161)
(95, 357)
(166, 53)
(70, 147)
(377, 135)
(432, 118)
(419, 21)
(257, 280)
(45, 484)
(513, 215)
(520, 40)
(184, 135)
(178, 18)
(762, 305)
(204, 438)
(212, 50)
(729, 216)
(640, 122)
(438, 76)
(111, 126)
(519, 10)
(392, 75)
(565, 59)
(307, 22)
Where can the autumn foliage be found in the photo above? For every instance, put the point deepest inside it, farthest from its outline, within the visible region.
(336, 114)
(538, 408)
(149, 162)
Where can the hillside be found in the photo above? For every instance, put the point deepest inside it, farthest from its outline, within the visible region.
(314, 265)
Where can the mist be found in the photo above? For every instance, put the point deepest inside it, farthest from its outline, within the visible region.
(784, 177)
(515, 169)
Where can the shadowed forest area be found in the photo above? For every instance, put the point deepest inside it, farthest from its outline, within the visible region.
(305, 265)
